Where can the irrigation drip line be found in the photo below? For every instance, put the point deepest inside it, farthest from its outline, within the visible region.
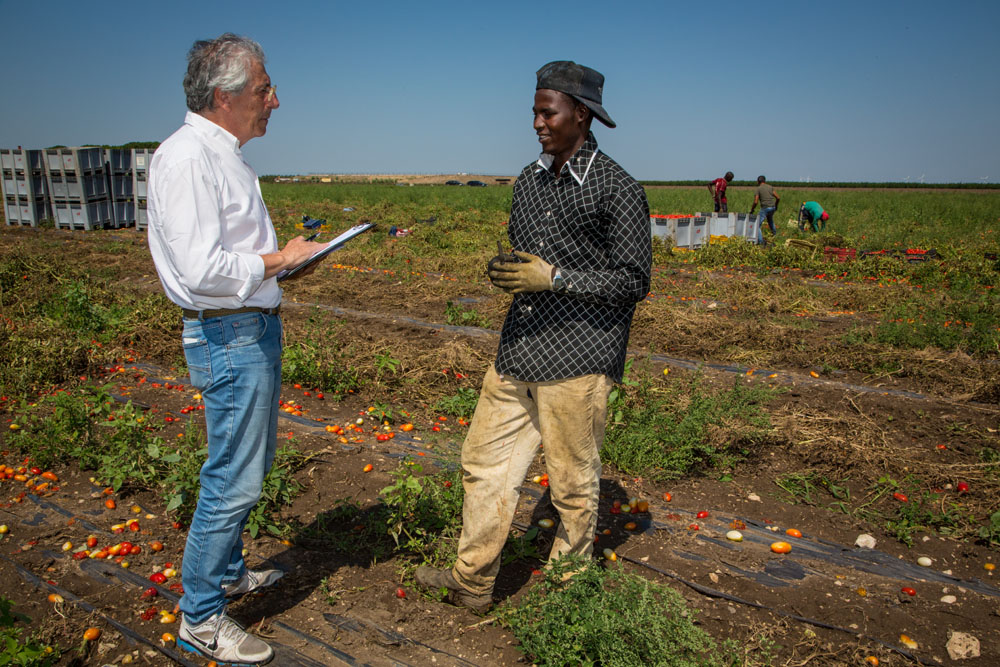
(41, 585)
(390, 637)
(105, 570)
(711, 592)
(105, 573)
(100, 570)
(41, 502)
(870, 561)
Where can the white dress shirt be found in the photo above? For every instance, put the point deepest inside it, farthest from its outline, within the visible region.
(208, 225)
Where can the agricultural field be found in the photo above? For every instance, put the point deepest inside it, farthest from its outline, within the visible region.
(770, 390)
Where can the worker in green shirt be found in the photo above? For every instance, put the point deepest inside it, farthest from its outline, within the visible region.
(814, 214)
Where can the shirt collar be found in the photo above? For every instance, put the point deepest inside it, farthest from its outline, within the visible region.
(213, 131)
(579, 164)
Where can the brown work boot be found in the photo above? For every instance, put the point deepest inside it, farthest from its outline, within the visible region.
(432, 577)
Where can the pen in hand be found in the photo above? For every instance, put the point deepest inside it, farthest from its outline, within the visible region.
(313, 236)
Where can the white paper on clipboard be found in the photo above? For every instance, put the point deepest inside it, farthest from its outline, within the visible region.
(325, 250)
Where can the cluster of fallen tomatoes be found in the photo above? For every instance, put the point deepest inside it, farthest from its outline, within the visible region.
(372, 422)
(35, 479)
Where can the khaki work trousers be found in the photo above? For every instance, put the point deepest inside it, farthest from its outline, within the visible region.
(512, 419)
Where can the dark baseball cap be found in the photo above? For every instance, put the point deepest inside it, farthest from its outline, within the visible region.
(583, 84)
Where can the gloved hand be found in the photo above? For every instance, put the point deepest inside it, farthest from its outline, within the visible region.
(531, 274)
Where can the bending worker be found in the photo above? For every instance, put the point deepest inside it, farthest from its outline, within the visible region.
(579, 225)
(814, 214)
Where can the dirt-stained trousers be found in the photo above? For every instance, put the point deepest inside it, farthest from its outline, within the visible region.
(511, 420)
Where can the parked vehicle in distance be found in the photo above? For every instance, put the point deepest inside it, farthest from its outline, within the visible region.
(454, 183)
(476, 184)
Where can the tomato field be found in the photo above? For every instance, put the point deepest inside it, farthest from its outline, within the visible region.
(802, 465)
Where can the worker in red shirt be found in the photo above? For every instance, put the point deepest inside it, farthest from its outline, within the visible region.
(718, 190)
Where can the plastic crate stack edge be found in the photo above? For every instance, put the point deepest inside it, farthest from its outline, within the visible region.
(24, 187)
(141, 158)
(119, 162)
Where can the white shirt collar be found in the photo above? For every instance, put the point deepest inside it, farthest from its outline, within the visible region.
(579, 164)
(213, 131)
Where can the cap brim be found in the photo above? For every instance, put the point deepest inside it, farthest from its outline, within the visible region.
(598, 110)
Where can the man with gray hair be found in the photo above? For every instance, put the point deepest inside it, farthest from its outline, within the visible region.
(217, 256)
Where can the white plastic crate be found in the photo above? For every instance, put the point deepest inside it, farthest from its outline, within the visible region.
(66, 185)
(124, 212)
(139, 184)
(141, 158)
(25, 212)
(662, 228)
(76, 174)
(722, 224)
(121, 186)
(119, 160)
(77, 215)
(691, 232)
(747, 226)
(19, 158)
(74, 159)
(7, 183)
(141, 216)
(30, 184)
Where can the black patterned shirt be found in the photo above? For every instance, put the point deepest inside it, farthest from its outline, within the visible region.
(593, 224)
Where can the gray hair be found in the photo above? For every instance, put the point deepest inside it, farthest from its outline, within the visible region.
(222, 63)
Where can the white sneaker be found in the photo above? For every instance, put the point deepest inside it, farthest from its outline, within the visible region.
(252, 580)
(221, 638)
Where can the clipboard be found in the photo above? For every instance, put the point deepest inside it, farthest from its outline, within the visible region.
(325, 250)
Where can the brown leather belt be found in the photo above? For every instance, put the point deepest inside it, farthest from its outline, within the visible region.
(222, 312)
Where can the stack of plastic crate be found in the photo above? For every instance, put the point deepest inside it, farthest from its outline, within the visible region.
(25, 190)
(140, 173)
(78, 188)
(120, 182)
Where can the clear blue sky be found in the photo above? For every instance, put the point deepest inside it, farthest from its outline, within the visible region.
(847, 91)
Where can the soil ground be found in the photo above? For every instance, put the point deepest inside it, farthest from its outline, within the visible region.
(827, 602)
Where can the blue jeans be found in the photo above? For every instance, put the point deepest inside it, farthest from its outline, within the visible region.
(766, 214)
(235, 362)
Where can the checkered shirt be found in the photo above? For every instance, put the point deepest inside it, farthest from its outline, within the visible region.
(593, 224)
